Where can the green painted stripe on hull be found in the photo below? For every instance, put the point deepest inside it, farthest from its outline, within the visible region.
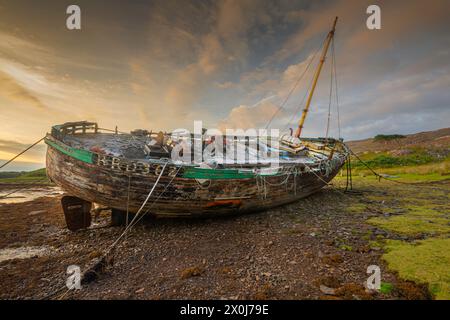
(199, 173)
(82, 155)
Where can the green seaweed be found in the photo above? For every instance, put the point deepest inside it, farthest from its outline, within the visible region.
(424, 219)
(427, 261)
(386, 287)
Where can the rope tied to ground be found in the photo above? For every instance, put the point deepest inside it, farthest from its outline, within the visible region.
(20, 153)
(14, 158)
(92, 272)
(379, 176)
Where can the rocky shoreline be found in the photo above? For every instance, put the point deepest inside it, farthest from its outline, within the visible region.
(316, 248)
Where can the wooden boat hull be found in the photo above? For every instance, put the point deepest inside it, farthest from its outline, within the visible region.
(178, 196)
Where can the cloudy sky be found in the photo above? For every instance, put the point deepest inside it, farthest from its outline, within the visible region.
(229, 63)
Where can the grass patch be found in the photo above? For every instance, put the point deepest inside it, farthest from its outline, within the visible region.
(376, 198)
(441, 168)
(413, 225)
(428, 210)
(39, 175)
(418, 220)
(403, 177)
(411, 210)
(388, 137)
(386, 287)
(427, 261)
(416, 162)
(346, 247)
(376, 243)
(420, 178)
(356, 208)
(388, 161)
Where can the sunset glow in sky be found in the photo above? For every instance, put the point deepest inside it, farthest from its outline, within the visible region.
(230, 63)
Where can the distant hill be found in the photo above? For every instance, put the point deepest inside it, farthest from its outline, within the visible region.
(438, 139)
(23, 176)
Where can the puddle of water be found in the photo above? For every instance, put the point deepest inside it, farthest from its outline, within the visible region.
(23, 252)
(29, 194)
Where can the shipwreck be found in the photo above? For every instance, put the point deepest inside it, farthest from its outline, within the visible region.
(133, 173)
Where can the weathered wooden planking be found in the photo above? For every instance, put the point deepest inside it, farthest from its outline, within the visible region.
(184, 196)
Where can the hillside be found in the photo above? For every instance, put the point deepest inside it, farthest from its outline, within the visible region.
(23, 176)
(438, 139)
(417, 157)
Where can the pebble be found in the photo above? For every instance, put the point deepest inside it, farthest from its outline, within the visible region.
(327, 290)
(33, 213)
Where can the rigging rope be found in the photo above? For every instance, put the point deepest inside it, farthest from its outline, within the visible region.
(330, 99)
(349, 177)
(129, 226)
(128, 197)
(139, 211)
(336, 87)
(159, 196)
(300, 105)
(15, 157)
(102, 260)
(320, 178)
(295, 85)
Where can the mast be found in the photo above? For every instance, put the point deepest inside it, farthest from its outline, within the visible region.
(316, 77)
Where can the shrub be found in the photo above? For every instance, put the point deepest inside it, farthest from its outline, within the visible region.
(388, 137)
(417, 157)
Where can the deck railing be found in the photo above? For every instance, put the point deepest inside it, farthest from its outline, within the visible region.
(80, 127)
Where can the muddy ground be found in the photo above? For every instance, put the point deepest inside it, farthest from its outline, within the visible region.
(316, 248)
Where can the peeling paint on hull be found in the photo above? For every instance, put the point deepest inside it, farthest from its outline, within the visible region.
(185, 196)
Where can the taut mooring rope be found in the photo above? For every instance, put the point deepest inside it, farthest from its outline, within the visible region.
(379, 176)
(19, 154)
(14, 158)
(139, 211)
